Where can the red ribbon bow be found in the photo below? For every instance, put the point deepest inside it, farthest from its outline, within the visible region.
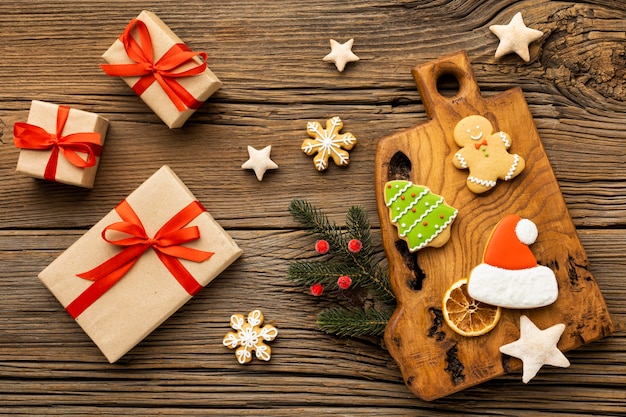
(163, 71)
(27, 136)
(166, 243)
(478, 145)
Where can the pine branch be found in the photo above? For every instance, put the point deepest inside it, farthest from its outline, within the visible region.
(380, 283)
(323, 272)
(312, 218)
(358, 227)
(358, 265)
(353, 322)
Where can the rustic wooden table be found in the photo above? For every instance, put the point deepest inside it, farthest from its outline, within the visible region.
(269, 56)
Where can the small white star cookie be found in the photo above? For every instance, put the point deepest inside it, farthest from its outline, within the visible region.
(515, 37)
(341, 54)
(536, 348)
(259, 161)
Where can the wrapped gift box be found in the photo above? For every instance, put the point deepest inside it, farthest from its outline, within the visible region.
(39, 159)
(119, 316)
(147, 42)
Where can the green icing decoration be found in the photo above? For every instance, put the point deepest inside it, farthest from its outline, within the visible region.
(419, 215)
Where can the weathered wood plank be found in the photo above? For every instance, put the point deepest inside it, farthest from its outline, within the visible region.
(208, 158)
(184, 363)
(268, 54)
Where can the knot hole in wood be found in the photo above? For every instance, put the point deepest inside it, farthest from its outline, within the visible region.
(448, 85)
(415, 282)
(399, 167)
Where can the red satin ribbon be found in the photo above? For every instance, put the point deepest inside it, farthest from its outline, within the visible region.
(478, 145)
(165, 243)
(27, 136)
(163, 71)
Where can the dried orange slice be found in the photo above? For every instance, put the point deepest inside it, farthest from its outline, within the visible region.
(466, 316)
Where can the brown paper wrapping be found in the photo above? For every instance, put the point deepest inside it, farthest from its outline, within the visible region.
(201, 86)
(148, 294)
(33, 162)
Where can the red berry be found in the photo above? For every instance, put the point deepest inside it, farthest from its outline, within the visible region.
(344, 282)
(317, 290)
(355, 245)
(322, 247)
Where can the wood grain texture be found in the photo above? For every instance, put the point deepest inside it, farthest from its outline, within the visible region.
(434, 360)
(269, 56)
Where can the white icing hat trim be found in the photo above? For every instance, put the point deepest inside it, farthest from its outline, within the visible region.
(526, 231)
(521, 288)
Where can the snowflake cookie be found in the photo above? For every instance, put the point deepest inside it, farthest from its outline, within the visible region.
(328, 143)
(250, 337)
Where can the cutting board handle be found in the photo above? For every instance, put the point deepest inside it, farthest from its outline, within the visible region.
(458, 66)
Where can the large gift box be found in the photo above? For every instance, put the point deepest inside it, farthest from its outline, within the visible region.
(60, 144)
(140, 263)
(170, 78)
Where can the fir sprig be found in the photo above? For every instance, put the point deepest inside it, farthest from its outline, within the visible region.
(306, 214)
(354, 321)
(359, 265)
(358, 227)
(323, 272)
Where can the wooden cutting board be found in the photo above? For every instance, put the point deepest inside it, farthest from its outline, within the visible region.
(435, 361)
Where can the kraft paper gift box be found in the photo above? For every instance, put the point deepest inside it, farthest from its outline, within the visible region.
(148, 43)
(71, 155)
(164, 275)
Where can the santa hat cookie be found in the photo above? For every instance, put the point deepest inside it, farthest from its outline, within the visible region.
(509, 275)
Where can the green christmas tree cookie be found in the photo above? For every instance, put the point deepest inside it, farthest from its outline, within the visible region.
(422, 218)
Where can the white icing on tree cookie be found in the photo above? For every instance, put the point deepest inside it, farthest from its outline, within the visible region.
(422, 218)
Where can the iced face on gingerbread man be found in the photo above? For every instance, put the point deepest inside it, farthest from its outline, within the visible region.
(484, 153)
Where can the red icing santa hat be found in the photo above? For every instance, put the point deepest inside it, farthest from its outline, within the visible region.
(508, 244)
(510, 276)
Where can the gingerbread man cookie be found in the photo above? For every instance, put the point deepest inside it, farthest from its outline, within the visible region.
(484, 153)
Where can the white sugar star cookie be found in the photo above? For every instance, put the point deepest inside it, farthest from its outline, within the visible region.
(341, 54)
(515, 37)
(259, 161)
(536, 348)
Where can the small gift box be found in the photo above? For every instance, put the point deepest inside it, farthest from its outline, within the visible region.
(170, 78)
(140, 263)
(60, 144)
